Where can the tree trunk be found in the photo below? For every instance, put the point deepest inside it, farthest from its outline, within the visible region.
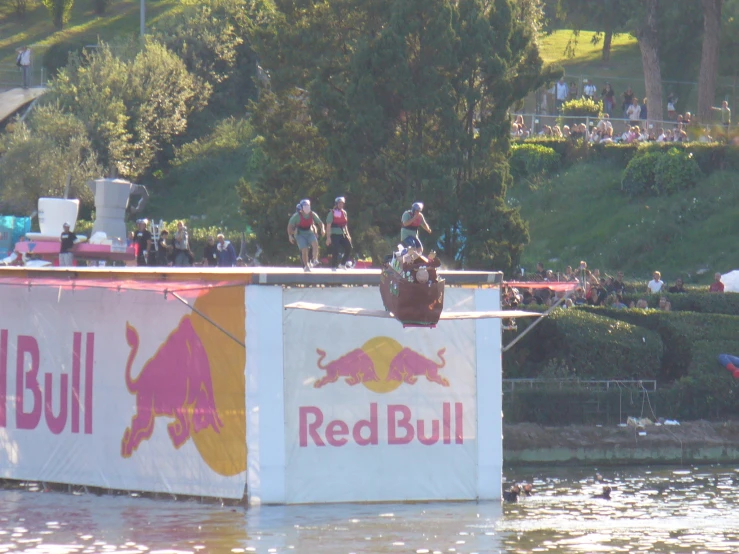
(607, 38)
(648, 44)
(709, 58)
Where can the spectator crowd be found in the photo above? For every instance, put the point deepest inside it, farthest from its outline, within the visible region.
(591, 288)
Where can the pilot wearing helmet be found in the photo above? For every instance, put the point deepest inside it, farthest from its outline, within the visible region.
(413, 220)
(338, 238)
(300, 229)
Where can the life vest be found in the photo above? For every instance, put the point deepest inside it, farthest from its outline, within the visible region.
(412, 227)
(305, 223)
(339, 218)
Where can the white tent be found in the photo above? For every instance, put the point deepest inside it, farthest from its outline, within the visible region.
(731, 281)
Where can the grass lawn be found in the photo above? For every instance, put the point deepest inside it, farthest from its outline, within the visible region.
(37, 30)
(581, 214)
(622, 70)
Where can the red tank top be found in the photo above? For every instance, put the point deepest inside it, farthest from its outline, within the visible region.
(305, 223)
(339, 218)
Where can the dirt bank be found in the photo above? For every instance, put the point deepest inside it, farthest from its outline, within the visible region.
(697, 441)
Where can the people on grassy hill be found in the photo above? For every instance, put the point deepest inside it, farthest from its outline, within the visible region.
(656, 284)
(677, 287)
(717, 285)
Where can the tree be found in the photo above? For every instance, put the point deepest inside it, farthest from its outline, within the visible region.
(132, 105)
(648, 37)
(213, 38)
(406, 100)
(709, 57)
(39, 157)
(59, 10)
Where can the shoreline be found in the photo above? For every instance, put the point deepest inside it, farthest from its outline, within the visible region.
(690, 442)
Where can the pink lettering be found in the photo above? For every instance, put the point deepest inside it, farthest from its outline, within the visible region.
(76, 352)
(29, 380)
(458, 431)
(434, 438)
(89, 361)
(310, 428)
(401, 427)
(404, 422)
(3, 375)
(370, 424)
(335, 431)
(56, 423)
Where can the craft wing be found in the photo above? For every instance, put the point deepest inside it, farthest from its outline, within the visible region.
(311, 307)
(499, 314)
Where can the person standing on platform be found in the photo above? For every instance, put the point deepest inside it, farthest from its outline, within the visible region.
(68, 240)
(337, 234)
(226, 252)
(210, 253)
(23, 61)
(163, 249)
(142, 242)
(412, 220)
(181, 246)
(300, 229)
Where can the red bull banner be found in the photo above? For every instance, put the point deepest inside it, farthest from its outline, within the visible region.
(124, 389)
(376, 412)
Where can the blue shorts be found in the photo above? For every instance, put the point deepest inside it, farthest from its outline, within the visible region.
(305, 240)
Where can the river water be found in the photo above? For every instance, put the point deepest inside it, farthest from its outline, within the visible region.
(658, 510)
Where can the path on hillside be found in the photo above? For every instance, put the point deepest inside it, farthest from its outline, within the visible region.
(14, 99)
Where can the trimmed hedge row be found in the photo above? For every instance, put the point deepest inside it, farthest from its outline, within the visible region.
(680, 349)
(709, 156)
(580, 344)
(699, 302)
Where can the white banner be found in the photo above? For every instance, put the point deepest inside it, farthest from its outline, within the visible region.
(374, 411)
(124, 390)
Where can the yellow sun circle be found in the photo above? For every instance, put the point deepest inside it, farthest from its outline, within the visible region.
(224, 451)
(382, 350)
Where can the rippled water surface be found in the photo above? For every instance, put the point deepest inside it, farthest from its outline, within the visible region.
(651, 510)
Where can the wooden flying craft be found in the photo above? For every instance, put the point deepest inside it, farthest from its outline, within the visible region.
(412, 293)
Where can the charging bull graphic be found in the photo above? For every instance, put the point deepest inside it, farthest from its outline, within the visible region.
(356, 366)
(409, 365)
(174, 383)
(381, 365)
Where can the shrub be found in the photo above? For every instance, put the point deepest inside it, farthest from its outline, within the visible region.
(532, 159)
(589, 345)
(653, 172)
(584, 107)
(676, 170)
(639, 176)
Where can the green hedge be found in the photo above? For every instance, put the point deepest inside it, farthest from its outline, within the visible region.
(680, 349)
(529, 160)
(710, 157)
(699, 302)
(654, 173)
(579, 344)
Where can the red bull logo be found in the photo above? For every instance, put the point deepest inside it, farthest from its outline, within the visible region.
(382, 365)
(196, 381)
